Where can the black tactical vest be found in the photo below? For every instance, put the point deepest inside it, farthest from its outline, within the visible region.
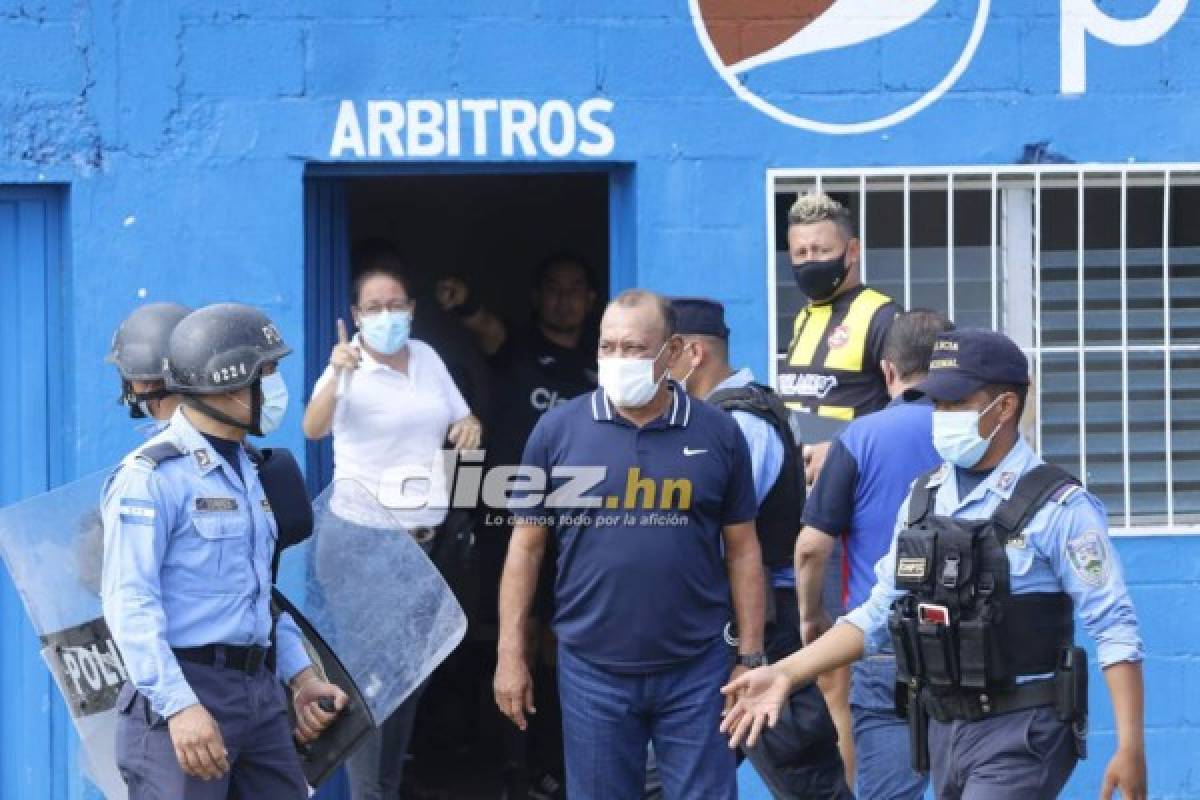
(778, 522)
(960, 629)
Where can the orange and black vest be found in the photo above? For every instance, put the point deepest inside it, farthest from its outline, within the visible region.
(832, 364)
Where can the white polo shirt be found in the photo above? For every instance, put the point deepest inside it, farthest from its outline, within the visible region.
(389, 422)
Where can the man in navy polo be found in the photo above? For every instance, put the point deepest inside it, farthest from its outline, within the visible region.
(651, 502)
(866, 477)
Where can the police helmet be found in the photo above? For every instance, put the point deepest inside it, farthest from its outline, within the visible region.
(221, 348)
(140, 343)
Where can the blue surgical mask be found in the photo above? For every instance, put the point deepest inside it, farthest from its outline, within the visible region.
(387, 331)
(274, 403)
(956, 436)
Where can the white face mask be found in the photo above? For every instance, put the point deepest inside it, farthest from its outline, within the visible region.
(629, 382)
(956, 436)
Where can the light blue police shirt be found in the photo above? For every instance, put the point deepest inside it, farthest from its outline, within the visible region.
(187, 562)
(766, 458)
(1065, 547)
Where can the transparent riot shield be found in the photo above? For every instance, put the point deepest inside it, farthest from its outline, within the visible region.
(52, 545)
(372, 597)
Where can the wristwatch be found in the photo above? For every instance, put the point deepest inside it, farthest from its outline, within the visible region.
(752, 660)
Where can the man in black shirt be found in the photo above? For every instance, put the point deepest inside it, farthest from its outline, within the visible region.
(535, 367)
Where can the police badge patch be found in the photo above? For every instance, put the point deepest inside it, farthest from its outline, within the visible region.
(1088, 555)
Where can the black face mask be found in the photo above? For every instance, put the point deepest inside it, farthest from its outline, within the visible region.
(820, 279)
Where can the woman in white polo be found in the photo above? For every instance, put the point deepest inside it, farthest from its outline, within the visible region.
(392, 407)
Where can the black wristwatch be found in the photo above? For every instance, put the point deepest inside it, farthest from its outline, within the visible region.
(752, 660)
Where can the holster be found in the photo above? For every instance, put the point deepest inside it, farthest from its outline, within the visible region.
(918, 730)
(1071, 695)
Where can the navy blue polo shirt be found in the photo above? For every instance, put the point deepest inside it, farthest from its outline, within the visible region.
(641, 582)
(870, 467)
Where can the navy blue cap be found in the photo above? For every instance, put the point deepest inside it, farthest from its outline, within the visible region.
(699, 316)
(968, 359)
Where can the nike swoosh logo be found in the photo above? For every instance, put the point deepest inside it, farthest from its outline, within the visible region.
(687, 451)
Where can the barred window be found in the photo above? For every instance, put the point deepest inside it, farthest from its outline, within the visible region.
(1093, 269)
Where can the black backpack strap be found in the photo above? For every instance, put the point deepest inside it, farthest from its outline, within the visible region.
(759, 400)
(920, 499)
(1041, 484)
(158, 452)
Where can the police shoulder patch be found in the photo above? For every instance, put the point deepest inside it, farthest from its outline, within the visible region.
(1089, 557)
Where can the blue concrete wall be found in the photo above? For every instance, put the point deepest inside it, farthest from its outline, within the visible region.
(183, 129)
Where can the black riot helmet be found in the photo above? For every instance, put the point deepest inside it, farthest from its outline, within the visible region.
(139, 348)
(220, 349)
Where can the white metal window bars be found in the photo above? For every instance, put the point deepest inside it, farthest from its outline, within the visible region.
(1013, 267)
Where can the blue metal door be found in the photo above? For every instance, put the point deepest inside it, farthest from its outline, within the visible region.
(35, 734)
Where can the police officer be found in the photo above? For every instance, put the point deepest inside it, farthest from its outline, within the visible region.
(189, 538)
(138, 349)
(994, 552)
(704, 371)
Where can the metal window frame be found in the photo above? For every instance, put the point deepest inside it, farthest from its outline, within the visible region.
(997, 180)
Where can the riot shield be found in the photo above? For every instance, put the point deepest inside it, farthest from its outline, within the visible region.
(372, 597)
(52, 545)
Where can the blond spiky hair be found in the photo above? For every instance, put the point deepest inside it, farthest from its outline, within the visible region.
(814, 207)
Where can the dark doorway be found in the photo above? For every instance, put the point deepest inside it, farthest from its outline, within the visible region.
(491, 229)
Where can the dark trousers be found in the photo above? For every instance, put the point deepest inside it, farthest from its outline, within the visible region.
(798, 758)
(252, 714)
(610, 717)
(1024, 755)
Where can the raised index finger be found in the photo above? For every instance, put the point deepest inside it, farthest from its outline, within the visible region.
(342, 337)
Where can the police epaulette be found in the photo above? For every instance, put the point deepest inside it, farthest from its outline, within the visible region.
(1065, 492)
(154, 454)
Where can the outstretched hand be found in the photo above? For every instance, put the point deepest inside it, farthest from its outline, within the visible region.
(760, 695)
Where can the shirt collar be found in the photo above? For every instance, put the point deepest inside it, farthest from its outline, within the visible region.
(193, 443)
(1004, 476)
(677, 416)
(735, 381)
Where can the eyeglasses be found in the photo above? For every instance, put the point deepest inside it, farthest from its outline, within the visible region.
(394, 307)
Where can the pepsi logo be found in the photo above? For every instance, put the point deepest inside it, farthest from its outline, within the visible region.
(840, 66)
(838, 337)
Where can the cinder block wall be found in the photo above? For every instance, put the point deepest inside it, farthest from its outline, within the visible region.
(182, 130)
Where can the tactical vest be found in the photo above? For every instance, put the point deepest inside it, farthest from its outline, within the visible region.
(960, 634)
(778, 521)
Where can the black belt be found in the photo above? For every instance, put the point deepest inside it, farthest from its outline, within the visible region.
(975, 705)
(248, 659)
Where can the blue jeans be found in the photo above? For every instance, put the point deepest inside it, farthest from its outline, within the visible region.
(609, 717)
(884, 770)
(376, 768)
